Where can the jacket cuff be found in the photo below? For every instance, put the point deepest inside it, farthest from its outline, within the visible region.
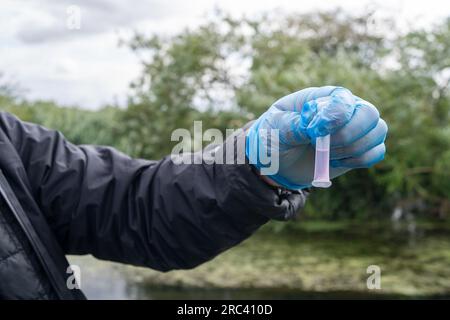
(257, 195)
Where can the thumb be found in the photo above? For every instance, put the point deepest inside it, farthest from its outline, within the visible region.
(289, 126)
(326, 115)
(295, 101)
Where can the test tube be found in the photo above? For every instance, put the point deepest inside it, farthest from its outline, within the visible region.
(322, 163)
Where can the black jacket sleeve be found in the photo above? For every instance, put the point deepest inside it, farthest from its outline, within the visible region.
(150, 213)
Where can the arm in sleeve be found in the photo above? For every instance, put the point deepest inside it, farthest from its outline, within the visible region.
(157, 214)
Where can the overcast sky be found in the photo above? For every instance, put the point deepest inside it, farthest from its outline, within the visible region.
(85, 66)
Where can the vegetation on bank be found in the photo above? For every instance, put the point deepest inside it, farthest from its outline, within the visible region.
(311, 258)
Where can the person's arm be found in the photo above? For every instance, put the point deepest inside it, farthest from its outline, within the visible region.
(150, 213)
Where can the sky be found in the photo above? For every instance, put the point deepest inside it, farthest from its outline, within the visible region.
(67, 51)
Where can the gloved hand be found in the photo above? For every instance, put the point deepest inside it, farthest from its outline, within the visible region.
(357, 135)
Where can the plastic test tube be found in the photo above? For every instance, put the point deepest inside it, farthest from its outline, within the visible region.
(322, 163)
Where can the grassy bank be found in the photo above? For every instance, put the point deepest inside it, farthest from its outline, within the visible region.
(314, 258)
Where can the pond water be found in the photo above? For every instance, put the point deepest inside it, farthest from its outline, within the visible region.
(312, 262)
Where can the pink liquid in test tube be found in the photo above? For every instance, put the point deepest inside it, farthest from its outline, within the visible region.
(322, 163)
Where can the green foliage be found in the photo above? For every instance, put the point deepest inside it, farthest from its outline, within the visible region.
(78, 125)
(228, 71)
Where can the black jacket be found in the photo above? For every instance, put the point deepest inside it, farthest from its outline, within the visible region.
(58, 198)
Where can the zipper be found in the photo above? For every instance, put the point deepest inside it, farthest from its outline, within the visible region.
(43, 255)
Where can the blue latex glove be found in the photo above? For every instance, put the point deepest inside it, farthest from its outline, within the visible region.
(357, 135)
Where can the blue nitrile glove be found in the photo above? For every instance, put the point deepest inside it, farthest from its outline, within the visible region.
(357, 135)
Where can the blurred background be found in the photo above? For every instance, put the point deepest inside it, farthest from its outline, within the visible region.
(112, 73)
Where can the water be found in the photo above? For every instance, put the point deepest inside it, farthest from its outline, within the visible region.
(321, 170)
(322, 163)
(317, 261)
